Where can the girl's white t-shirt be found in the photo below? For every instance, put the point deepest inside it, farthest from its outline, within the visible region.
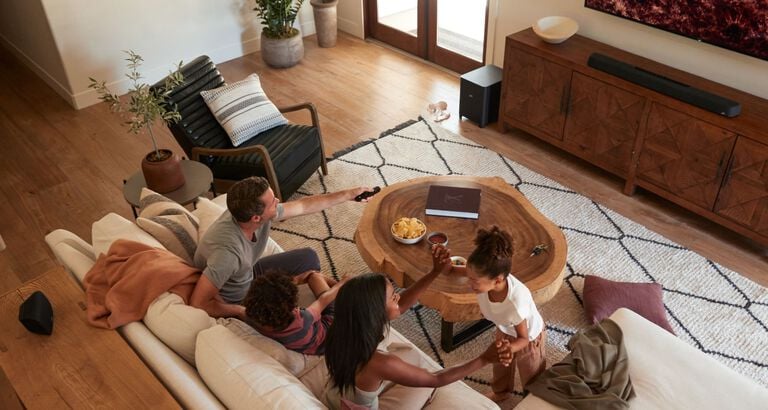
(516, 307)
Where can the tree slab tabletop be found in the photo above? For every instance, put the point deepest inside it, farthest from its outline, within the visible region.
(500, 204)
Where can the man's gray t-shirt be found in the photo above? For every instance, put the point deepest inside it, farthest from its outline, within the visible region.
(226, 256)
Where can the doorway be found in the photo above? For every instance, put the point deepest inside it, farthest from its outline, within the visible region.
(450, 33)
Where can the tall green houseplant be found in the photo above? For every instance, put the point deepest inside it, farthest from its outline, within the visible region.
(278, 16)
(281, 43)
(145, 104)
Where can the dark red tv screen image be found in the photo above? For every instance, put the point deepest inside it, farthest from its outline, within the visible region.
(739, 25)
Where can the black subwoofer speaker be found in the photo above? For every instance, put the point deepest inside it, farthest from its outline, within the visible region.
(480, 95)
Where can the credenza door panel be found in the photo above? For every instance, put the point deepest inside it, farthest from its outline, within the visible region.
(684, 156)
(602, 123)
(535, 92)
(744, 196)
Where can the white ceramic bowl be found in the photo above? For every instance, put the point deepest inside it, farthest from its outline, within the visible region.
(555, 29)
(458, 261)
(409, 241)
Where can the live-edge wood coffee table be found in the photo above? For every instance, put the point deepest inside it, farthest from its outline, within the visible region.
(500, 204)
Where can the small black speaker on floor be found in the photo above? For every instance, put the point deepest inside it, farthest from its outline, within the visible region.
(36, 314)
(480, 94)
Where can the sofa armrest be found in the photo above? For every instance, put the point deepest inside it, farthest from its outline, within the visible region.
(72, 252)
(667, 372)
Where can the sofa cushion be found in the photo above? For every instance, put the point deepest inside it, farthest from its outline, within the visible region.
(243, 109)
(244, 377)
(294, 362)
(113, 227)
(177, 324)
(170, 223)
(207, 212)
(602, 297)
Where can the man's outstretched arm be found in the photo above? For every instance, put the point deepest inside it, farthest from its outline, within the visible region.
(317, 203)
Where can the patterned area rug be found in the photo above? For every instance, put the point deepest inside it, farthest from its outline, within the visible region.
(710, 307)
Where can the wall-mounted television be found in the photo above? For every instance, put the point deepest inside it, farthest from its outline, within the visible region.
(739, 25)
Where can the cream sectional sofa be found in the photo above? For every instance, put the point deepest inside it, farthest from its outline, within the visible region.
(209, 364)
(668, 373)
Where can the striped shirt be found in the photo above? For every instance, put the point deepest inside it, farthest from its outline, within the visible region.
(306, 334)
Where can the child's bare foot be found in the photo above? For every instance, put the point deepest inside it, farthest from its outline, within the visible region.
(498, 397)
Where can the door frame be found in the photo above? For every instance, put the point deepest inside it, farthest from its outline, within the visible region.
(426, 49)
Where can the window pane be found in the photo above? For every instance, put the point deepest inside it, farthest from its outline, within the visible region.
(401, 15)
(461, 26)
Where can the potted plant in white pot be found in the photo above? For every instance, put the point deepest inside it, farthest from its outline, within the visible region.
(324, 12)
(161, 167)
(281, 43)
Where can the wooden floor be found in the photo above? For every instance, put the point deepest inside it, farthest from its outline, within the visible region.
(63, 168)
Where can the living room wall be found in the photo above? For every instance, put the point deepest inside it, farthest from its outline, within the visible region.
(25, 31)
(71, 40)
(727, 67)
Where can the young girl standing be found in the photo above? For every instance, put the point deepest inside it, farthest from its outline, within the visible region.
(508, 303)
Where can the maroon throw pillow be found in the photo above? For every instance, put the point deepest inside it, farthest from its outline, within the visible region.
(602, 297)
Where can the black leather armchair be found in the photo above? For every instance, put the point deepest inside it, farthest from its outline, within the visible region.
(286, 155)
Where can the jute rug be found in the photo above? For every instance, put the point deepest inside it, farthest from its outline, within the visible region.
(710, 307)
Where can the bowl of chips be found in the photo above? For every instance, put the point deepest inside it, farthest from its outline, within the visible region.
(408, 230)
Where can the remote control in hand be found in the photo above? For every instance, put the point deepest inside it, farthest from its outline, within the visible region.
(368, 194)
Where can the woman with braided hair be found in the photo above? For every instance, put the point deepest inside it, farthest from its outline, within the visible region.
(507, 302)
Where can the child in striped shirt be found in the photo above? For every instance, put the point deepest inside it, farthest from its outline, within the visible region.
(271, 307)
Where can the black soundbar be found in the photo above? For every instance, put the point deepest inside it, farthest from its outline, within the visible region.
(664, 85)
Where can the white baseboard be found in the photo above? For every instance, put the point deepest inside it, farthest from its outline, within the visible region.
(307, 28)
(89, 97)
(352, 27)
(52, 82)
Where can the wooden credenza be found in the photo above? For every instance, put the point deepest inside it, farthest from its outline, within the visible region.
(710, 164)
(76, 367)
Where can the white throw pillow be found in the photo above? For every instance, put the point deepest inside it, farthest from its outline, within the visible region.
(294, 362)
(243, 109)
(244, 377)
(177, 324)
(207, 212)
(113, 227)
(170, 223)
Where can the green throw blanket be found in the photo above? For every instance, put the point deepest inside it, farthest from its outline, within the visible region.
(595, 375)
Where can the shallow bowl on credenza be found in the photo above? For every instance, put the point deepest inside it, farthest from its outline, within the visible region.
(555, 29)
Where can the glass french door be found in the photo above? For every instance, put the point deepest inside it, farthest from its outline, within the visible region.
(450, 33)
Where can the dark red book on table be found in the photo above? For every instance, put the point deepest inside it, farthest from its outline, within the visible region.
(453, 201)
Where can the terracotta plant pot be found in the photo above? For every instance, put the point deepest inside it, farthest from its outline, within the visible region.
(325, 21)
(282, 52)
(162, 174)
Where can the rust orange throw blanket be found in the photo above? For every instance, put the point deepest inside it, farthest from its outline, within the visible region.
(123, 283)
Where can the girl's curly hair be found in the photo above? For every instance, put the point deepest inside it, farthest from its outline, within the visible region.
(271, 300)
(493, 253)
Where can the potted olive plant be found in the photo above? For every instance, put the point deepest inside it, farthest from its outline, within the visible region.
(281, 43)
(161, 167)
